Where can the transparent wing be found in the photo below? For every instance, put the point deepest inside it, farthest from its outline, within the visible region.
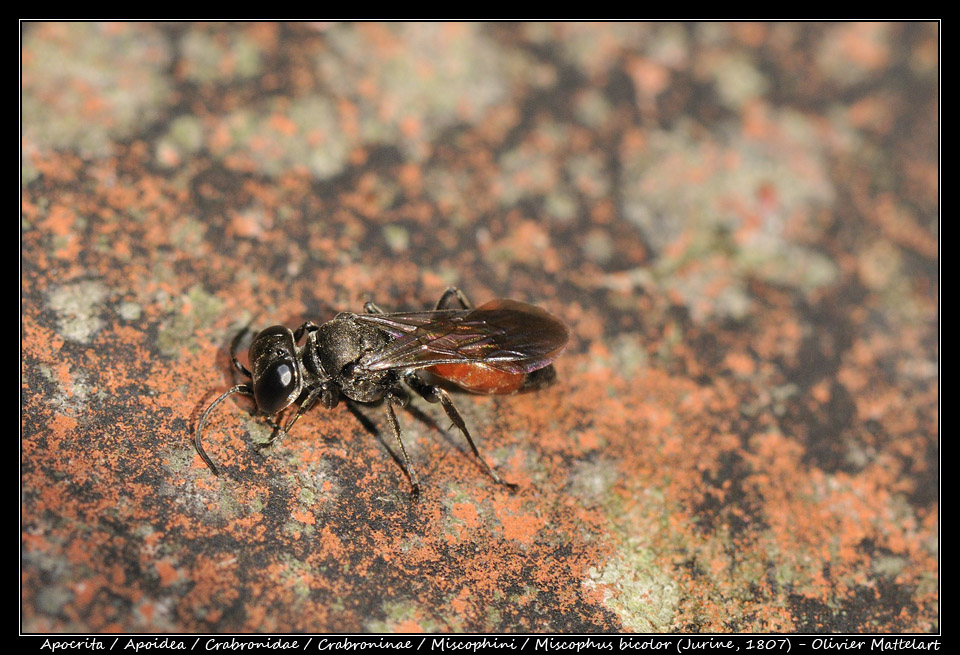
(505, 335)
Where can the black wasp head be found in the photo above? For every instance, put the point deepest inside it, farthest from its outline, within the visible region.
(277, 380)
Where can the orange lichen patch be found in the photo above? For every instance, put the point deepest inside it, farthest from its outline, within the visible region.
(332, 546)
(85, 591)
(146, 610)
(864, 43)
(167, 572)
(304, 517)
(410, 127)
(649, 77)
(34, 542)
(903, 228)
(409, 626)
(821, 392)
(59, 220)
(411, 177)
(871, 113)
(58, 167)
(523, 526)
(461, 604)
(466, 512)
(61, 426)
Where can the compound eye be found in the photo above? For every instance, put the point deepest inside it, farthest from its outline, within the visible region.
(277, 386)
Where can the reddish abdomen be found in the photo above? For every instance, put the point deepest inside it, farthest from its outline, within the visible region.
(479, 378)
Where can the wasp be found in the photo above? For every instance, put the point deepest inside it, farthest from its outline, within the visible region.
(500, 347)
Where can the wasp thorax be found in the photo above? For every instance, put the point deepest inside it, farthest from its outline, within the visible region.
(343, 342)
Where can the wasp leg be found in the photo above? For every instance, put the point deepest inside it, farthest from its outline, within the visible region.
(311, 359)
(308, 326)
(390, 399)
(453, 293)
(434, 394)
(320, 391)
(245, 389)
(444, 303)
(233, 353)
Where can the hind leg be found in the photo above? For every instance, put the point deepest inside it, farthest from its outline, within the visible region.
(451, 294)
(434, 394)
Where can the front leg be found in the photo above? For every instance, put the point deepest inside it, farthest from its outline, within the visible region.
(233, 353)
(328, 395)
(308, 326)
(311, 360)
(434, 394)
